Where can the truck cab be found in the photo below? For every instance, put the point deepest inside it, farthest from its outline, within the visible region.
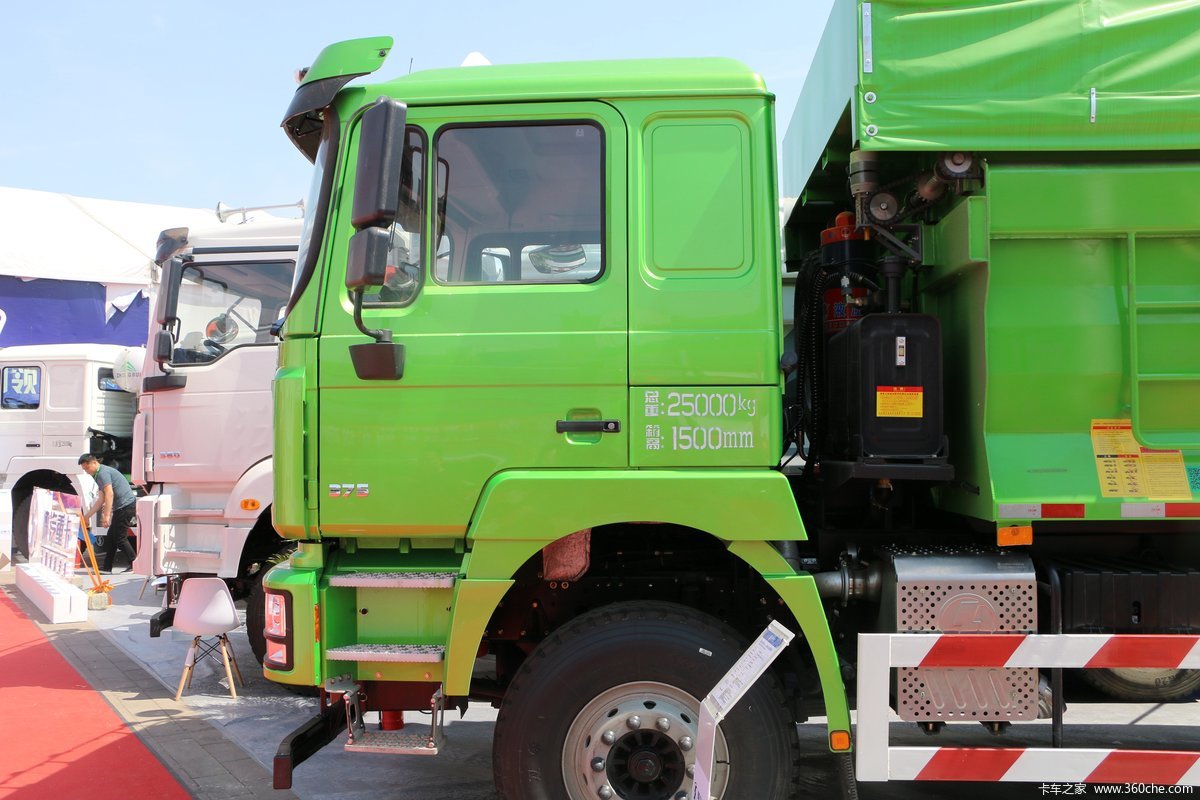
(203, 433)
(57, 401)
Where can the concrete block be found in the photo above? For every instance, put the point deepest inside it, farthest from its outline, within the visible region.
(54, 597)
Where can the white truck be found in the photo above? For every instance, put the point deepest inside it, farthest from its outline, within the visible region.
(203, 434)
(56, 402)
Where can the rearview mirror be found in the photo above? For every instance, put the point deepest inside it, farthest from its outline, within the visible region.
(380, 163)
(557, 259)
(163, 345)
(221, 329)
(366, 260)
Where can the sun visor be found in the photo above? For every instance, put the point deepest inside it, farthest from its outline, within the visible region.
(170, 242)
(335, 66)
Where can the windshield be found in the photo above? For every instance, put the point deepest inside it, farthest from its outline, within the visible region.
(224, 306)
(315, 210)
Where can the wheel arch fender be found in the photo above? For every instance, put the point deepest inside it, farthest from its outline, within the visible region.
(54, 474)
(256, 484)
(521, 512)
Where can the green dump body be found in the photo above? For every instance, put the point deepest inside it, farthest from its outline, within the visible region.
(1067, 282)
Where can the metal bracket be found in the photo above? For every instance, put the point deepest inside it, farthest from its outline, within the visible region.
(898, 247)
(437, 718)
(352, 698)
(341, 684)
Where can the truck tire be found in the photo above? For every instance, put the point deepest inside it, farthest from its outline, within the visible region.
(1147, 684)
(256, 612)
(20, 528)
(566, 728)
(256, 620)
(256, 617)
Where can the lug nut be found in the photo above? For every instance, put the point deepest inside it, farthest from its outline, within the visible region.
(597, 764)
(605, 792)
(634, 722)
(686, 743)
(609, 737)
(663, 724)
(691, 770)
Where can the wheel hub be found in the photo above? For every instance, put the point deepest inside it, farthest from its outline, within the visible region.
(646, 763)
(637, 740)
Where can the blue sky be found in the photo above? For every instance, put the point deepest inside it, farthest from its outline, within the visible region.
(179, 103)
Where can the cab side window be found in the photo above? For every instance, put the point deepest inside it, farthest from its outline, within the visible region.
(520, 203)
(22, 387)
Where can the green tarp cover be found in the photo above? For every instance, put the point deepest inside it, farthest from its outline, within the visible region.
(1017, 75)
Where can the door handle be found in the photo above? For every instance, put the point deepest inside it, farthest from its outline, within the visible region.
(587, 426)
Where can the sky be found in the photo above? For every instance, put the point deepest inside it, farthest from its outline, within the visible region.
(179, 103)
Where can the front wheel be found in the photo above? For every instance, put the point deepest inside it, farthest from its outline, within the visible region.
(20, 528)
(256, 621)
(608, 705)
(256, 616)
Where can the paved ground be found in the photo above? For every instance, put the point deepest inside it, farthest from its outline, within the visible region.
(220, 747)
(200, 757)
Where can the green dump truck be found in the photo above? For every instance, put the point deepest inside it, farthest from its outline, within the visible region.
(545, 439)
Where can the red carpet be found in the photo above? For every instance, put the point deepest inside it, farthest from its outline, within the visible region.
(59, 739)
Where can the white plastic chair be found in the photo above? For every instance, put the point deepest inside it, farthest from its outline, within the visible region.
(205, 608)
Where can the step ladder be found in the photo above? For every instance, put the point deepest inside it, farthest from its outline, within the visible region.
(1160, 312)
(422, 739)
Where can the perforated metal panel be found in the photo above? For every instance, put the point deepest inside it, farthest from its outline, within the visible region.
(962, 592)
(967, 606)
(1005, 695)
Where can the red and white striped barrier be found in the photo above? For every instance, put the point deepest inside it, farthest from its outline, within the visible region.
(878, 761)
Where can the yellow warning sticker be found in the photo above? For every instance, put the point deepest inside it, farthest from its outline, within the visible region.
(1126, 469)
(1166, 477)
(1118, 458)
(900, 401)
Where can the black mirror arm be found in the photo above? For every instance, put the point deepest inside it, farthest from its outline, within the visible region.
(380, 360)
(378, 335)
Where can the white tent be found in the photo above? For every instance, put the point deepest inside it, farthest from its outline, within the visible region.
(51, 235)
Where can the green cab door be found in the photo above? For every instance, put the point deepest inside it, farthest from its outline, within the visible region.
(507, 288)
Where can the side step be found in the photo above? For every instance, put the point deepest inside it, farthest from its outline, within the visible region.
(177, 515)
(396, 580)
(395, 653)
(191, 553)
(394, 742)
(406, 742)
